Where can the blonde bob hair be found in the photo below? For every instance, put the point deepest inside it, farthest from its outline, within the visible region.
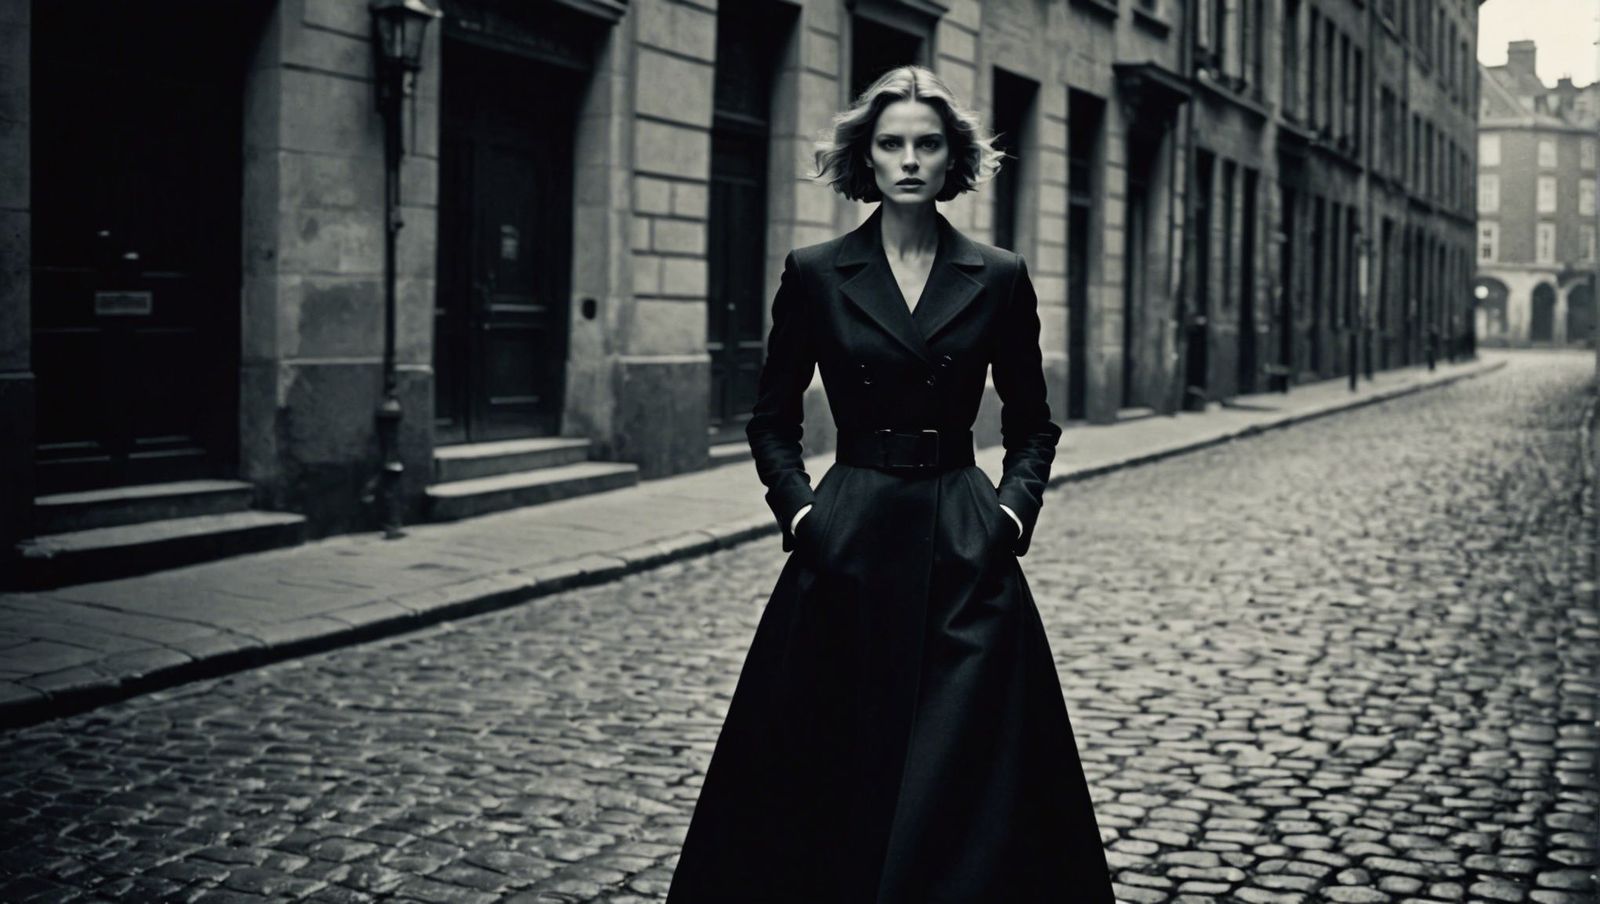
(842, 157)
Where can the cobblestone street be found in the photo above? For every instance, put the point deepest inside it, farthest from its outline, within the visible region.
(1349, 661)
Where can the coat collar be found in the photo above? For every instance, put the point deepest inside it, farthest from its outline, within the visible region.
(873, 289)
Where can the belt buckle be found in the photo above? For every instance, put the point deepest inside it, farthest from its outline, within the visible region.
(934, 461)
(886, 438)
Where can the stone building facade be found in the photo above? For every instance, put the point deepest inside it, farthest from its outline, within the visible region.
(1536, 254)
(597, 197)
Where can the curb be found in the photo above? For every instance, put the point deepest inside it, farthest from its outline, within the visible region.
(1288, 420)
(80, 690)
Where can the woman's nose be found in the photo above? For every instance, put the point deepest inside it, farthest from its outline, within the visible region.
(909, 161)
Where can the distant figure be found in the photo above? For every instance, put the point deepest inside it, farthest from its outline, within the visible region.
(898, 733)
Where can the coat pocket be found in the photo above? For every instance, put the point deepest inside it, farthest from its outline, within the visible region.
(812, 537)
(1000, 530)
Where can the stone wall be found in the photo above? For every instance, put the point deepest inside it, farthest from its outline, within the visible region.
(313, 307)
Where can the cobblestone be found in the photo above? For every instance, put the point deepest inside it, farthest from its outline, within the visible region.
(1350, 661)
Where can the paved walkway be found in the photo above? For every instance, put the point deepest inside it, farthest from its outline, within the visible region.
(74, 648)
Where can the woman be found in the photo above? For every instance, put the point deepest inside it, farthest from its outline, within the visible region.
(897, 734)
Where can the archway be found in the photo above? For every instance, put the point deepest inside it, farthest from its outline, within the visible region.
(1542, 326)
(1490, 296)
(1581, 316)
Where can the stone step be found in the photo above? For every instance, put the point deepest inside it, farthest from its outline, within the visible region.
(468, 498)
(104, 553)
(61, 513)
(728, 453)
(1125, 415)
(471, 461)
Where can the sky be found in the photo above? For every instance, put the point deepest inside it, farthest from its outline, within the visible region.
(1564, 29)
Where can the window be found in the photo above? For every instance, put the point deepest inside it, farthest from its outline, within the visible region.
(1341, 113)
(1488, 193)
(1330, 113)
(1586, 197)
(1547, 194)
(1547, 154)
(1586, 242)
(1314, 114)
(1586, 153)
(1207, 20)
(1429, 162)
(1544, 243)
(1488, 243)
(1489, 149)
(1257, 49)
(1291, 58)
(1358, 108)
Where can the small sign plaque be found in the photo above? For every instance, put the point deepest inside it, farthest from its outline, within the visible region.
(124, 304)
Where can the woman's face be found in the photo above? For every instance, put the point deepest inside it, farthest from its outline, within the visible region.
(910, 156)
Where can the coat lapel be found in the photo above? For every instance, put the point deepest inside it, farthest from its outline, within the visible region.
(950, 287)
(873, 289)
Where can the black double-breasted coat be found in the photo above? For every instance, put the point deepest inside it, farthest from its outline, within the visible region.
(897, 734)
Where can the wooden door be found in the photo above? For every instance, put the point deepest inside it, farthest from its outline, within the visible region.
(737, 260)
(736, 233)
(137, 133)
(505, 227)
(1197, 333)
(1248, 364)
(1287, 239)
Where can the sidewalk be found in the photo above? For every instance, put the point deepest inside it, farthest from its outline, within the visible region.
(67, 650)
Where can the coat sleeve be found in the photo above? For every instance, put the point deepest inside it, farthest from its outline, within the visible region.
(774, 428)
(1026, 431)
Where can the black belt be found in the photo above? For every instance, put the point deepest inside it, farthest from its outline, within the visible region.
(905, 449)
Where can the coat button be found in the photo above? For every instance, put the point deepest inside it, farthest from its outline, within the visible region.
(945, 360)
(866, 376)
(932, 380)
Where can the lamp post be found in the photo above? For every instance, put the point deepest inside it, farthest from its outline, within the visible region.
(398, 27)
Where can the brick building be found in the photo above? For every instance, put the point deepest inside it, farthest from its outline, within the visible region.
(1536, 205)
(597, 198)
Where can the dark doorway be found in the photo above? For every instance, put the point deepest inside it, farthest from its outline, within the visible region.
(1319, 289)
(1228, 290)
(505, 244)
(1412, 328)
(1249, 361)
(737, 233)
(875, 48)
(1013, 109)
(1385, 295)
(1580, 316)
(1144, 144)
(1542, 325)
(137, 135)
(1197, 332)
(1286, 288)
(1083, 136)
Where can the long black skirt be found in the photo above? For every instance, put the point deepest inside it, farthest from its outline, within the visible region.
(897, 734)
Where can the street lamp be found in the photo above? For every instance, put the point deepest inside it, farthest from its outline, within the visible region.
(398, 28)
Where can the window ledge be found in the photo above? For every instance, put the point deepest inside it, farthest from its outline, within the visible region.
(1226, 91)
(1152, 21)
(1107, 8)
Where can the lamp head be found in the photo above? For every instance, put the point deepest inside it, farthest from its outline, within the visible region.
(401, 26)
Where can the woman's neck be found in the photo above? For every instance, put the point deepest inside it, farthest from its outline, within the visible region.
(909, 231)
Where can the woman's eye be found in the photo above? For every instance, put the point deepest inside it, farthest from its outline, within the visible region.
(931, 144)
